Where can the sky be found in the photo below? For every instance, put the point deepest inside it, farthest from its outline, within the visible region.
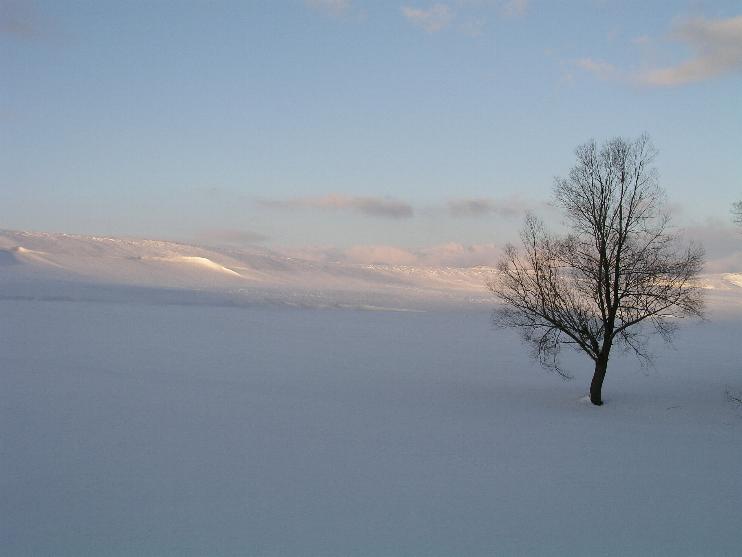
(352, 124)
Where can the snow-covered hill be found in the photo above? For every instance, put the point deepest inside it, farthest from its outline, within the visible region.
(42, 265)
(63, 266)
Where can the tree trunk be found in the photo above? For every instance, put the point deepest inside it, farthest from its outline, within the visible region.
(601, 366)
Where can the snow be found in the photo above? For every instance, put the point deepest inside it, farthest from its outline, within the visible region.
(170, 399)
(734, 278)
(50, 266)
(147, 429)
(200, 262)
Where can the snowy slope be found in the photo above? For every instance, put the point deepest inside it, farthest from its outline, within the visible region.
(253, 274)
(42, 265)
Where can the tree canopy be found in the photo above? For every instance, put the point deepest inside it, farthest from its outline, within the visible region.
(618, 270)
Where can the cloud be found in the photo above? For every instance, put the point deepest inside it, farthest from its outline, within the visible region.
(231, 237)
(380, 255)
(19, 20)
(318, 254)
(598, 68)
(515, 8)
(717, 44)
(371, 206)
(471, 15)
(722, 242)
(484, 206)
(453, 254)
(432, 20)
(330, 7)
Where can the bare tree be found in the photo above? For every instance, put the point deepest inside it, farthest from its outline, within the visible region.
(737, 213)
(618, 275)
(736, 397)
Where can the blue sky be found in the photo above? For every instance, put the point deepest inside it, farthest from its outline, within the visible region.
(344, 122)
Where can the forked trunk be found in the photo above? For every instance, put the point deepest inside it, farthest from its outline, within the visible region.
(596, 386)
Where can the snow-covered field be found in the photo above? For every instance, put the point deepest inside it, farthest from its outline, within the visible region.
(163, 399)
(174, 430)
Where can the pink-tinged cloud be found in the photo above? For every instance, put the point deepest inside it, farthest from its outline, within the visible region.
(717, 44)
(372, 206)
(433, 19)
(515, 8)
(317, 254)
(380, 255)
(453, 254)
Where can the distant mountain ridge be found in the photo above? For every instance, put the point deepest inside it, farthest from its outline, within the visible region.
(39, 265)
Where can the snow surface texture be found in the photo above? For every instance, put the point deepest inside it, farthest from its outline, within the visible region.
(86, 268)
(149, 430)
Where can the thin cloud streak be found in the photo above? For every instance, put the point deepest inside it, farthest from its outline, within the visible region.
(515, 8)
(371, 206)
(434, 19)
(484, 206)
(380, 255)
(598, 68)
(470, 14)
(330, 7)
(455, 254)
